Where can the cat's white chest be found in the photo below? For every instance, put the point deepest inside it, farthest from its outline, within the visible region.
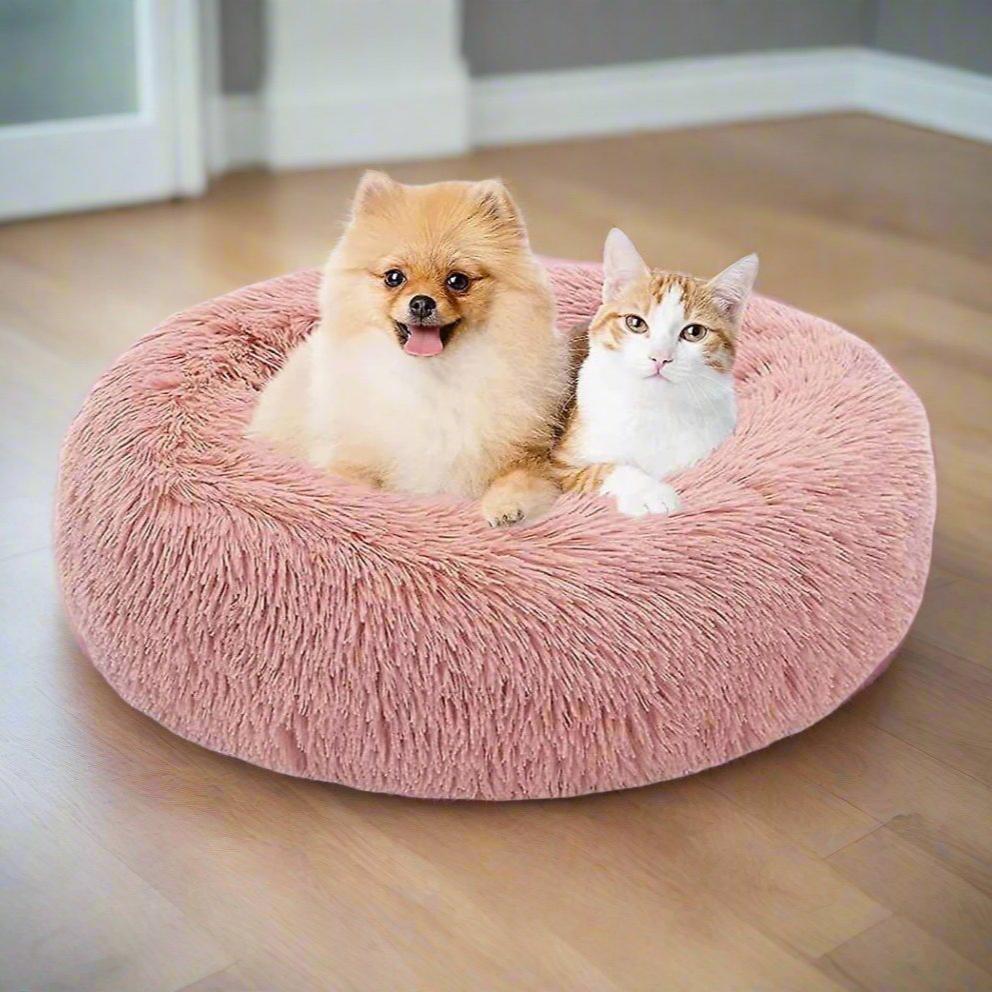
(657, 426)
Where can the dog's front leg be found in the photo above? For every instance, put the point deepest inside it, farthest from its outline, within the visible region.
(359, 474)
(525, 491)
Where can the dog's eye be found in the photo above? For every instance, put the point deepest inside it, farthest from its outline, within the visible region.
(457, 282)
(637, 324)
(394, 278)
(694, 332)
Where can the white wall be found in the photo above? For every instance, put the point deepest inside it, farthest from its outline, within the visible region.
(340, 88)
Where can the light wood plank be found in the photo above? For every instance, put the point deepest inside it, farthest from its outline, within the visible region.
(897, 954)
(942, 811)
(917, 886)
(805, 812)
(916, 697)
(958, 618)
(756, 871)
(73, 917)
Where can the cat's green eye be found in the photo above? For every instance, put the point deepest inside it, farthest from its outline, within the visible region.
(637, 324)
(694, 332)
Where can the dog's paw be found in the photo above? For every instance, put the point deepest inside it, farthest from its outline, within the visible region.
(637, 494)
(504, 516)
(517, 497)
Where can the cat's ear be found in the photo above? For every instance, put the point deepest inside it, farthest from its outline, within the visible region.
(622, 265)
(732, 287)
(373, 188)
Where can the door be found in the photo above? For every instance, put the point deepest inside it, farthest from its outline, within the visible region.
(99, 103)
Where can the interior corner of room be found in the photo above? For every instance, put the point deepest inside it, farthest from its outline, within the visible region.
(190, 90)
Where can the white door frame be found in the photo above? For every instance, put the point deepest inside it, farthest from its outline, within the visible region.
(156, 152)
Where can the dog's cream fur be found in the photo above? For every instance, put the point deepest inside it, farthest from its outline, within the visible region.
(475, 420)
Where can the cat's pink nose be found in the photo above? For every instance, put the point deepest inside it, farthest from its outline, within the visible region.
(661, 362)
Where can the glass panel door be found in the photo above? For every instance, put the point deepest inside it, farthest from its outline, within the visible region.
(61, 60)
(99, 103)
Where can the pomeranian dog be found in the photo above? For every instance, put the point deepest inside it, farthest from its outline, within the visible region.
(435, 367)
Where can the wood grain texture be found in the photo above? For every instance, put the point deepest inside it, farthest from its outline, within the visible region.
(856, 856)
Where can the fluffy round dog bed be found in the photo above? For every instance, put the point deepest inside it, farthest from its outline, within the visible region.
(311, 626)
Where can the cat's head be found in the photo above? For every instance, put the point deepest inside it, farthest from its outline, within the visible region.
(668, 326)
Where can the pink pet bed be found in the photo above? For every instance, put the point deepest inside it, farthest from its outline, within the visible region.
(311, 626)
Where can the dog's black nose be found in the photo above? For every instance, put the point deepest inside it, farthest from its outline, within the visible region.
(422, 306)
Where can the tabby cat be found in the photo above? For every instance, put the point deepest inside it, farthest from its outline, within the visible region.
(655, 392)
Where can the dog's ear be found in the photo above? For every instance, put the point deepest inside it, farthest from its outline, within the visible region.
(496, 204)
(373, 188)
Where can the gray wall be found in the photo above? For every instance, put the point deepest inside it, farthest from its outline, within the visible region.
(953, 32)
(242, 45)
(525, 35)
(528, 35)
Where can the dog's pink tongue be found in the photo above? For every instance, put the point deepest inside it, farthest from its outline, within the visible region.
(423, 341)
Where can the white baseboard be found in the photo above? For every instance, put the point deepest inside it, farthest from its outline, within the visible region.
(655, 95)
(425, 117)
(919, 92)
(427, 120)
(236, 132)
(448, 115)
(687, 92)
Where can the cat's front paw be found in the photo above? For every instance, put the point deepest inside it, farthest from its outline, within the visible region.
(637, 494)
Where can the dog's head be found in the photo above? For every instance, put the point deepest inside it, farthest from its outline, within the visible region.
(425, 264)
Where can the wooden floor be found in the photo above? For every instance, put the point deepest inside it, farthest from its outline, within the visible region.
(856, 856)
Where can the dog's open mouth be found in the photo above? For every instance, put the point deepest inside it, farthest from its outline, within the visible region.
(424, 340)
